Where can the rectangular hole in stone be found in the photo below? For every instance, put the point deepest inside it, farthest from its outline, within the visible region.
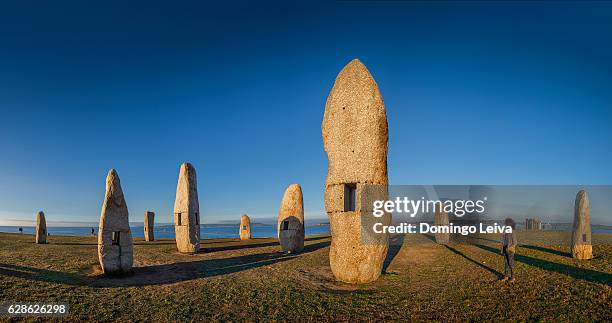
(584, 239)
(115, 237)
(244, 227)
(286, 225)
(350, 197)
(178, 219)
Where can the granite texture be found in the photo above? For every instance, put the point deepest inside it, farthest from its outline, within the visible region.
(187, 211)
(290, 224)
(116, 256)
(355, 137)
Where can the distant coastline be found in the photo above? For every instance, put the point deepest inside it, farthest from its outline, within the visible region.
(166, 230)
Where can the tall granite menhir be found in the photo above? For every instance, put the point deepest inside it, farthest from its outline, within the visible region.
(41, 228)
(245, 227)
(355, 137)
(149, 223)
(581, 236)
(115, 245)
(187, 211)
(290, 223)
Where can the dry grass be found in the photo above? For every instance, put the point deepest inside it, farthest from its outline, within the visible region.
(233, 280)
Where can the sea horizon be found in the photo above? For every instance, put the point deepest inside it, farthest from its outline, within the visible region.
(161, 231)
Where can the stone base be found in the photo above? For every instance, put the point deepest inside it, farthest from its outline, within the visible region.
(442, 238)
(584, 251)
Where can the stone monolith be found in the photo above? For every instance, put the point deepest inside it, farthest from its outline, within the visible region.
(41, 228)
(187, 211)
(149, 226)
(581, 236)
(115, 245)
(290, 223)
(441, 219)
(245, 227)
(355, 138)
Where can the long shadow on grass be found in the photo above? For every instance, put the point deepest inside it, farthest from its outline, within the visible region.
(154, 243)
(532, 247)
(548, 250)
(395, 245)
(489, 269)
(238, 246)
(73, 243)
(574, 272)
(247, 245)
(158, 274)
(317, 238)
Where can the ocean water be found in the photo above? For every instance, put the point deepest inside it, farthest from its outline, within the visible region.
(206, 231)
(167, 231)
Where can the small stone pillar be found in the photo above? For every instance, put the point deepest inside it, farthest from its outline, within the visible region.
(187, 211)
(115, 245)
(41, 228)
(581, 235)
(441, 219)
(290, 223)
(149, 223)
(245, 227)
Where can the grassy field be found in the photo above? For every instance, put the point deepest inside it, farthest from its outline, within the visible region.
(233, 280)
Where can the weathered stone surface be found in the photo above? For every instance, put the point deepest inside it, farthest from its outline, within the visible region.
(355, 137)
(41, 228)
(187, 211)
(581, 236)
(115, 245)
(290, 223)
(245, 227)
(441, 219)
(149, 226)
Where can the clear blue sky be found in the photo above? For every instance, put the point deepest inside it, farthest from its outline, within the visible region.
(476, 93)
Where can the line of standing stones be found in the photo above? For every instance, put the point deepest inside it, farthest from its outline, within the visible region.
(355, 137)
(115, 244)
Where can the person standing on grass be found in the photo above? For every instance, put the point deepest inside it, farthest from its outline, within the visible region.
(509, 244)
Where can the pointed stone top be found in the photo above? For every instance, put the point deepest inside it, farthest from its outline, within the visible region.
(354, 128)
(112, 173)
(356, 64)
(41, 213)
(188, 170)
(355, 69)
(112, 179)
(293, 194)
(582, 198)
(187, 166)
(292, 204)
(114, 192)
(244, 216)
(294, 186)
(187, 191)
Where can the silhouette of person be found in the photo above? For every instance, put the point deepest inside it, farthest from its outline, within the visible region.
(93, 232)
(21, 230)
(509, 244)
